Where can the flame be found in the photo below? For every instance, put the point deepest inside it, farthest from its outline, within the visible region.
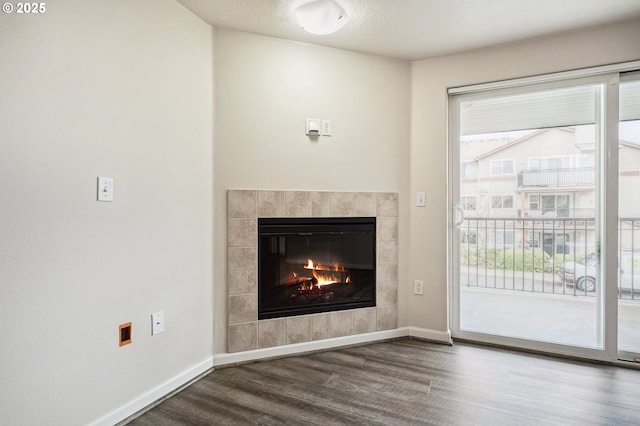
(325, 277)
(316, 267)
(337, 267)
(319, 267)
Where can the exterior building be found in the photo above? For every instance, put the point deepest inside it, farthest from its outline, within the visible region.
(538, 190)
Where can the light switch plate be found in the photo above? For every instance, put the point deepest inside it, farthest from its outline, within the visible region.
(418, 287)
(105, 188)
(326, 127)
(421, 199)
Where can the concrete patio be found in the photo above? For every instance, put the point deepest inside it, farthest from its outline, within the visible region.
(559, 318)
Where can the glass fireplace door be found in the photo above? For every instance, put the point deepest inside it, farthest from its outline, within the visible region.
(311, 265)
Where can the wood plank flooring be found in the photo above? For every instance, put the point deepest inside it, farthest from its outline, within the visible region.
(407, 382)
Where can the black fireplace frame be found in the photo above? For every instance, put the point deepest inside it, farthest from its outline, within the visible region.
(292, 225)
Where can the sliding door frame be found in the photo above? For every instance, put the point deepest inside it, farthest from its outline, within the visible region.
(607, 197)
(622, 354)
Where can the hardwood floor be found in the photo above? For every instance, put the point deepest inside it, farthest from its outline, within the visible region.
(408, 382)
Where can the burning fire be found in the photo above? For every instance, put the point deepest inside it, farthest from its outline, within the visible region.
(318, 267)
(323, 274)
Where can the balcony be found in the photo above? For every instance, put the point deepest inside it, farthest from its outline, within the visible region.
(581, 213)
(533, 254)
(538, 279)
(557, 177)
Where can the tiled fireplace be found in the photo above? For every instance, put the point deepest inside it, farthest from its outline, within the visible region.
(244, 207)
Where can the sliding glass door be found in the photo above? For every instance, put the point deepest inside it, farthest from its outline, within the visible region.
(544, 247)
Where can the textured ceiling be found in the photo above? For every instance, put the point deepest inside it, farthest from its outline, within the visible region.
(419, 29)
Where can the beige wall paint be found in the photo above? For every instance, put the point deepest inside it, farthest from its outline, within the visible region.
(119, 89)
(428, 164)
(265, 88)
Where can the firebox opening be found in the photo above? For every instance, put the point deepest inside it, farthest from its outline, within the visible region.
(312, 265)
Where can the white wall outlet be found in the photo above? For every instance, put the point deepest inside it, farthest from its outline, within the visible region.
(326, 127)
(421, 199)
(105, 189)
(157, 323)
(418, 287)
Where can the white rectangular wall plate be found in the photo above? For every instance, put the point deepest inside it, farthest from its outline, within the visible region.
(421, 199)
(157, 323)
(326, 127)
(313, 126)
(418, 287)
(105, 188)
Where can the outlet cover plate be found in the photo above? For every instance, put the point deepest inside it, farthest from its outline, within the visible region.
(418, 287)
(157, 323)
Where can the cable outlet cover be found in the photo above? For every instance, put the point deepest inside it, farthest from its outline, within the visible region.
(157, 323)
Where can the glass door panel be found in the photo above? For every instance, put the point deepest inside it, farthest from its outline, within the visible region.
(629, 220)
(525, 254)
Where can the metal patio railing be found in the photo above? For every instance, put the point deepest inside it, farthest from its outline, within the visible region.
(546, 255)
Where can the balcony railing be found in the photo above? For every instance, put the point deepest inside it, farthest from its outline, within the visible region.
(560, 212)
(557, 177)
(545, 255)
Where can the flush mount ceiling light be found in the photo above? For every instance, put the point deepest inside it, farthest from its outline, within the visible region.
(321, 17)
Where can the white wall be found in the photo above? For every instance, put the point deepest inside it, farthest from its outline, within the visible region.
(113, 88)
(430, 80)
(265, 88)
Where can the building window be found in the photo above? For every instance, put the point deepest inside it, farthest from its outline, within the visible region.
(468, 202)
(534, 239)
(502, 167)
(502, 201)
(534, 202)
(469, 237)
(501, 237)
(468, 170)
(556, 203)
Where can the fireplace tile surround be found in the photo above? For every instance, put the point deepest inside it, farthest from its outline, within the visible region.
(244, 207)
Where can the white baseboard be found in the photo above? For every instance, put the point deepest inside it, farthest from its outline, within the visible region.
(154, 394)
(277, 351)
(170, 386)
(434, 335)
